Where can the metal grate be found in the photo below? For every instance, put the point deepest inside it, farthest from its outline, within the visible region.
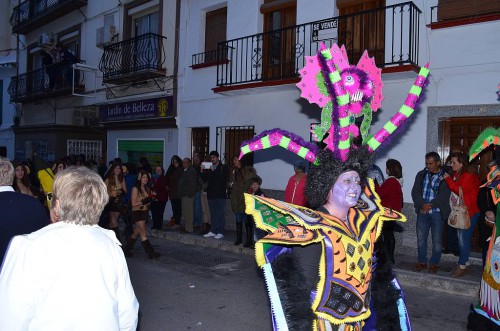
(200, 141)
(92, 149)
(229, 140)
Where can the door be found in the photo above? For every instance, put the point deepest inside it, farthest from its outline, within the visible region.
(362, 27)
(458, 135)
(146, 53)
(279, 44)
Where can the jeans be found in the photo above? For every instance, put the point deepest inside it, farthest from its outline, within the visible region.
(157, 209)
(240, 217)
(217, 215)
(464, 240)
(433, 222)
(198, 212)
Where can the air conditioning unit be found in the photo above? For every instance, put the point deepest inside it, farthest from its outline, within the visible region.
(104, 36)
(45, 39)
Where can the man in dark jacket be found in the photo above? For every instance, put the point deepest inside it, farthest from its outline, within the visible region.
(188, 181)
(21, 213)
(216, 176)
(431, 197)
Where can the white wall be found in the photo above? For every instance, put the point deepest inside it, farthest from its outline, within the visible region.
(464, 63)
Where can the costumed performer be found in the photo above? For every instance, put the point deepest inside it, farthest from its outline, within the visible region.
(329, 282)
(485, 316)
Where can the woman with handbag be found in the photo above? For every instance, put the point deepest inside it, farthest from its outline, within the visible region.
(464, 186)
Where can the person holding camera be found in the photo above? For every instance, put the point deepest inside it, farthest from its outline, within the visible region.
(140, 201)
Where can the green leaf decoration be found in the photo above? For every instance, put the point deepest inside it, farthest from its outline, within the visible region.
(326, 121)
(367, 121)
(320, 83)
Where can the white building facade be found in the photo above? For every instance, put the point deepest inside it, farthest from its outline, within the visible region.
(248, 82)
(113, 97)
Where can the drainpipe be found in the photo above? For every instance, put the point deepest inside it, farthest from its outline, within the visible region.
(176, 53)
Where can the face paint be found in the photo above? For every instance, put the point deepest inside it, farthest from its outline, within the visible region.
(345, 192)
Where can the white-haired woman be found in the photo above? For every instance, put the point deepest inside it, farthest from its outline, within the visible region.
(72, 261)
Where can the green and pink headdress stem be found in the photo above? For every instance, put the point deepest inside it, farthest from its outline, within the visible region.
(344, 92)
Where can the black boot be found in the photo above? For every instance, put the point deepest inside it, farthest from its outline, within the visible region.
(239, 233)
(117, 233)
(129, 245)
(249, 233)
(150, 250)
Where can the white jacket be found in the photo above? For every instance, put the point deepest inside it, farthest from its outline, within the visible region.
(66, 277)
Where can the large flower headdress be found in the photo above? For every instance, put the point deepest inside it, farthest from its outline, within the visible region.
(344, 92)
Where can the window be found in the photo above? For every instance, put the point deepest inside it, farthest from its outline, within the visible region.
(132, 150)
(279, 39)
(148, 23)
(229, 140)
(92, 149)
(215, 32)
(364, 31)
(200, 141)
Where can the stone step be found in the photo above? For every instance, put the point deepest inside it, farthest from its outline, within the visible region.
(468, 285)
(442, 281)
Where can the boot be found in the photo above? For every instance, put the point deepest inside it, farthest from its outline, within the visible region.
(117, 233)
(129, 245)
(239, 233)
(150, 250)
(249, 233)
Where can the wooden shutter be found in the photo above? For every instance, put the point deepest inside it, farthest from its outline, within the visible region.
(215, 28)
(453, 9)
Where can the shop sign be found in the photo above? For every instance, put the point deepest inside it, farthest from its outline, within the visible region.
(137, 110)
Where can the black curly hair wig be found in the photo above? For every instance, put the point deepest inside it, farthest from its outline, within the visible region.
(321, 177)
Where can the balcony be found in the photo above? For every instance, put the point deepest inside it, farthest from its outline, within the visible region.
(390, 34)
(52, 81)
(32, 14)
(133, 60)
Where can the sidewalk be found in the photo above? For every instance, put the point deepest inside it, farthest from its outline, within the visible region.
(442, 281)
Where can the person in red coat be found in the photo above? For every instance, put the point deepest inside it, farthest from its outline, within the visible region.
(160, 193)
(391, 196)
(294, 191)
(469, 182)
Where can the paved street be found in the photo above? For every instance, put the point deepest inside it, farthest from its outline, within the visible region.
(199, 288)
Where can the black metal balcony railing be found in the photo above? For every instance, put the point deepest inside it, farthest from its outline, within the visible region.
(31, 14)
(209, 57)
(139, 58)
(390, 34)
(52, 81)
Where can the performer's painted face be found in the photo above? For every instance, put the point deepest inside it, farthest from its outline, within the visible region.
(346, 190)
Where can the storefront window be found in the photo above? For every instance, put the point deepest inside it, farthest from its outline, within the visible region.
(132, 150)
